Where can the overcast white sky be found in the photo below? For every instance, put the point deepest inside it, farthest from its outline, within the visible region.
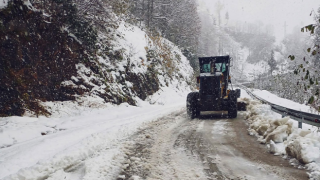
(275, 12)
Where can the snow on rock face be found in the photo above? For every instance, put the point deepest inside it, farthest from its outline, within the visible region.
(128, 64)
(134, 40)
(135, 67)
(3, 3)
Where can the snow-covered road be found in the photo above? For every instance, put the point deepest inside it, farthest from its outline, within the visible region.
(231, 153)
(146, 142)
(175, 147)
(83, 136)
(212, 147)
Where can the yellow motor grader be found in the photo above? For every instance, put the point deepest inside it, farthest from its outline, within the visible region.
(214, 94)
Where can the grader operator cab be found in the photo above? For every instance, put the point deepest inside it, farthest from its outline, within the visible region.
(214, 94)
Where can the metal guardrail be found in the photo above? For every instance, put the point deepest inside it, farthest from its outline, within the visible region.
(301, 117)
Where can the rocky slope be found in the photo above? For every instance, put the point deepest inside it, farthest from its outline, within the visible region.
(46, 55)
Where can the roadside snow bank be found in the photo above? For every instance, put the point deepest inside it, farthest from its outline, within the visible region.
(33, 148)
(282, 135)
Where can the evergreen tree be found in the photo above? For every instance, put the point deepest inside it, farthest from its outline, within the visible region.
(316, 41)
(227, 17)
(272, 63)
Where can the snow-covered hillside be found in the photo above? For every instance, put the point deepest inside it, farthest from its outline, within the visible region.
(110, 61)
(248, 71)
(154, 81)
(140, 69)
(122, 83)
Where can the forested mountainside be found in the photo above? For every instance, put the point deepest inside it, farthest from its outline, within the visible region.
(288, 67)
(111, 51)
(53, 50)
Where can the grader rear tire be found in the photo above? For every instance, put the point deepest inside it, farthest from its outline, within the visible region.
(232, 109)
(232, 105)
(192, 106)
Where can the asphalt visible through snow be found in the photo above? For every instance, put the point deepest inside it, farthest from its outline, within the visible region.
(230, 152)
(210, 147)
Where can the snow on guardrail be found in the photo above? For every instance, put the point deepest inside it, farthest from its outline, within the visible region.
(301, 117)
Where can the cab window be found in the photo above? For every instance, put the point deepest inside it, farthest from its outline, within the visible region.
(220, 67)
(206, 68)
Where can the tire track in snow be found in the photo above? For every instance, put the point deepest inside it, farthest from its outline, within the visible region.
(175, 147)
(155, 152)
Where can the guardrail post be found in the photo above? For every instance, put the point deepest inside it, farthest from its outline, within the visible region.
(300, 123)
(284, 113)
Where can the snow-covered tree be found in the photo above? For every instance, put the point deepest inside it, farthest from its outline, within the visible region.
(208, 40)
(177, 21)
(316, 41)
(272, 62)
(302, 84)
(260, 47)
(227, 16)
(218, 8)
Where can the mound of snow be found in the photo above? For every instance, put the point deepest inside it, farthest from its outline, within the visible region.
(305, 149)
(276, 148)
(283, 137)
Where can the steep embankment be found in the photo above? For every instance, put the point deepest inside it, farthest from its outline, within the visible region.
(49, 55)
(35, 57)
